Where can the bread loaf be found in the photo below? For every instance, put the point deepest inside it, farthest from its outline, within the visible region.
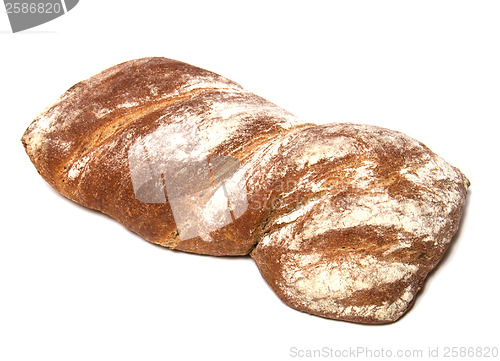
(344, 221)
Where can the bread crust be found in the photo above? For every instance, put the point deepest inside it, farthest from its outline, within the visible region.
(361, 223)
(344, 221)
(80, 144)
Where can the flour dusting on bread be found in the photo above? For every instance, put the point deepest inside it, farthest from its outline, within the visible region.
(343, 220)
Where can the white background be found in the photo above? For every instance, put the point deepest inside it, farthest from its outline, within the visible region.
(76, 285)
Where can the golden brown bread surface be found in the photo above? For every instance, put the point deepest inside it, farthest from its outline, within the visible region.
(358, 231)
(344, 221)
(80, 144)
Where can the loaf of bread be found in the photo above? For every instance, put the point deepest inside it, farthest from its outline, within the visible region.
(344, 221)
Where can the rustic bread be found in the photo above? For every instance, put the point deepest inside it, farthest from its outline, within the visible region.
(369, 213)
(344, 221)
(80, 144)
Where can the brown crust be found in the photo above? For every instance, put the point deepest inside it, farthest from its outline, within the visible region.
(381, 230)
(344, 221)
(91, 121)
